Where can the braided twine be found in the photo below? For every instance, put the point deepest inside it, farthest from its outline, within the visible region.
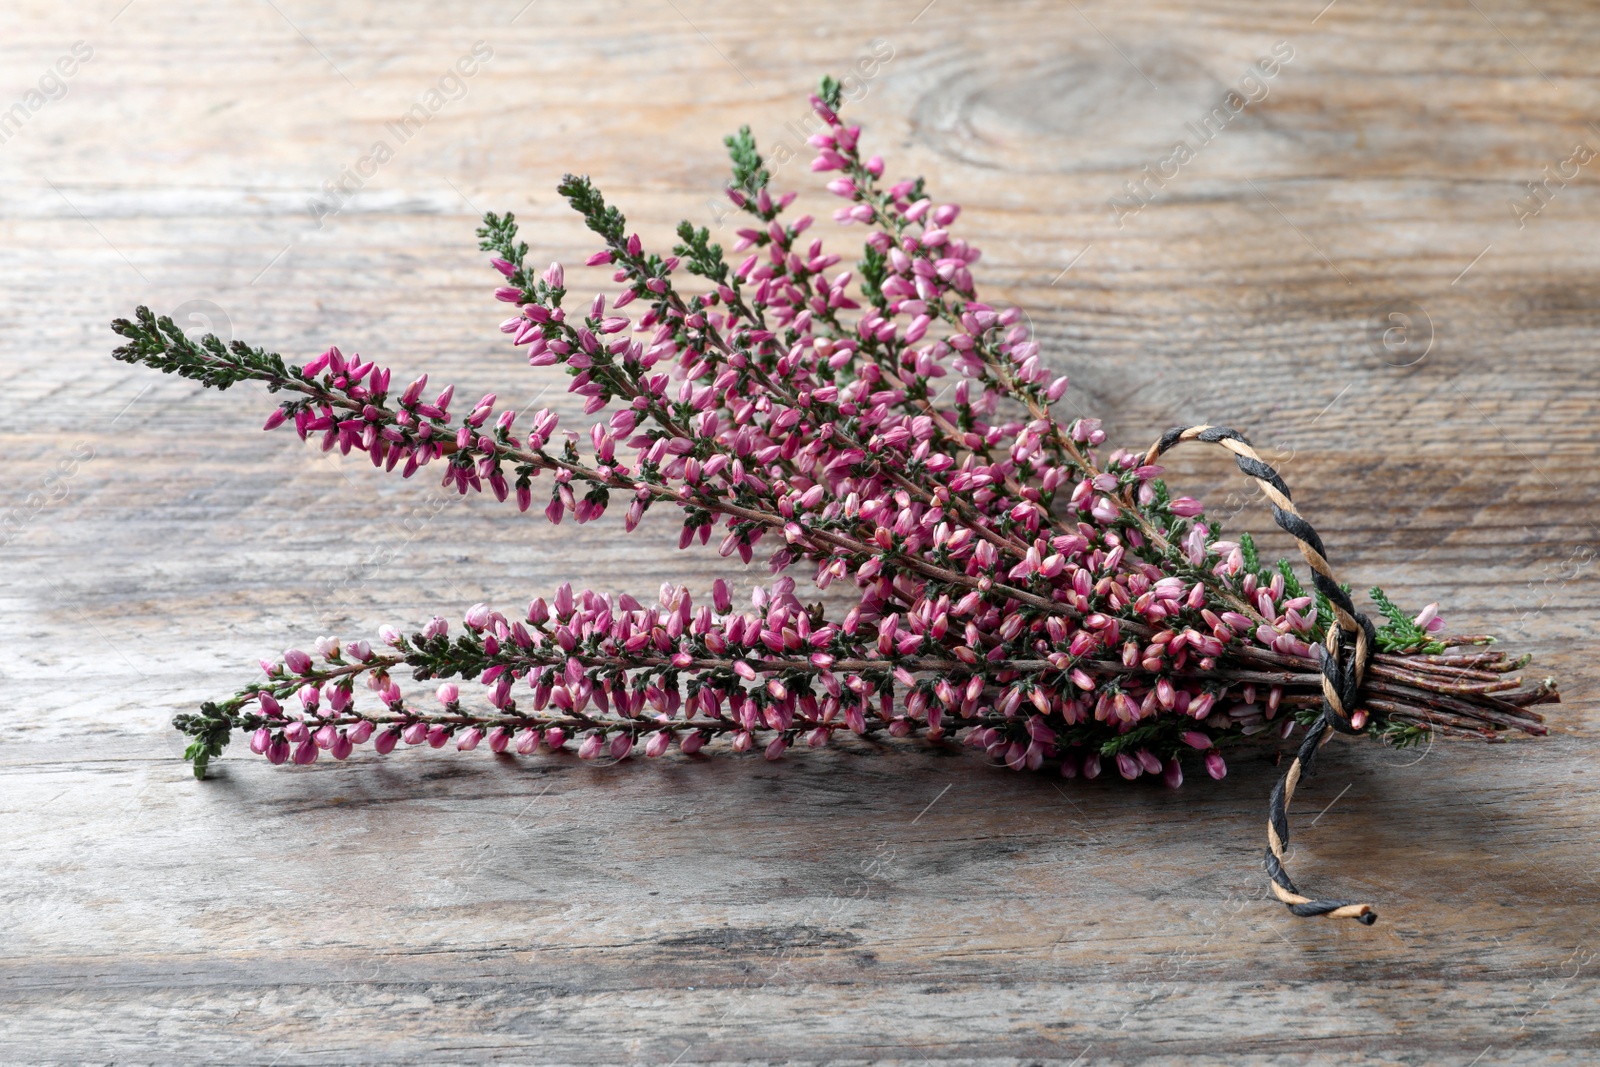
(1344, 657)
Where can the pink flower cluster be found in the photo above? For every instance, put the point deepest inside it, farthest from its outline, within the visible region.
(876, 430)
(878, 427)
(599, 670)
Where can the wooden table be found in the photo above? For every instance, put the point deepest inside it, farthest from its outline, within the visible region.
(870, 903)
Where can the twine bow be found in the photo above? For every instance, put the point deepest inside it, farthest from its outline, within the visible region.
(1344, 656)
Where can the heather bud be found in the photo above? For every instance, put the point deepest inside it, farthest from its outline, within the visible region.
(1172, 773)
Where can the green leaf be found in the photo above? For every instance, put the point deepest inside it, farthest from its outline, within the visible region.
(1291, 584)
(874, 271)
(699, 254)
(499, 235)
(586, 200)
(750, 174)
(830, 91)
(1400, 633)
(159, 344)
(211, 731)
(1252, 558)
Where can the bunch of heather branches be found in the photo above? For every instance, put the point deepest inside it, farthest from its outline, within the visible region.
(1016, 587)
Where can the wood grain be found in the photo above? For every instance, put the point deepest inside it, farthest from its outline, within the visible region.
(436, 908)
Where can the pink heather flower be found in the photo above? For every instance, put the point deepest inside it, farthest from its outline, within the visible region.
(415, 734)
(499, 738)
(448, 693)
(1215, 765)
(1429, 619)
(477, 617)
(591, 746)
(297, 662)
(385, 741)
(469, 740)
(318, 365)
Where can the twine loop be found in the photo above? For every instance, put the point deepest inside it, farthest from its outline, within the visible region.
(1343, 656)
